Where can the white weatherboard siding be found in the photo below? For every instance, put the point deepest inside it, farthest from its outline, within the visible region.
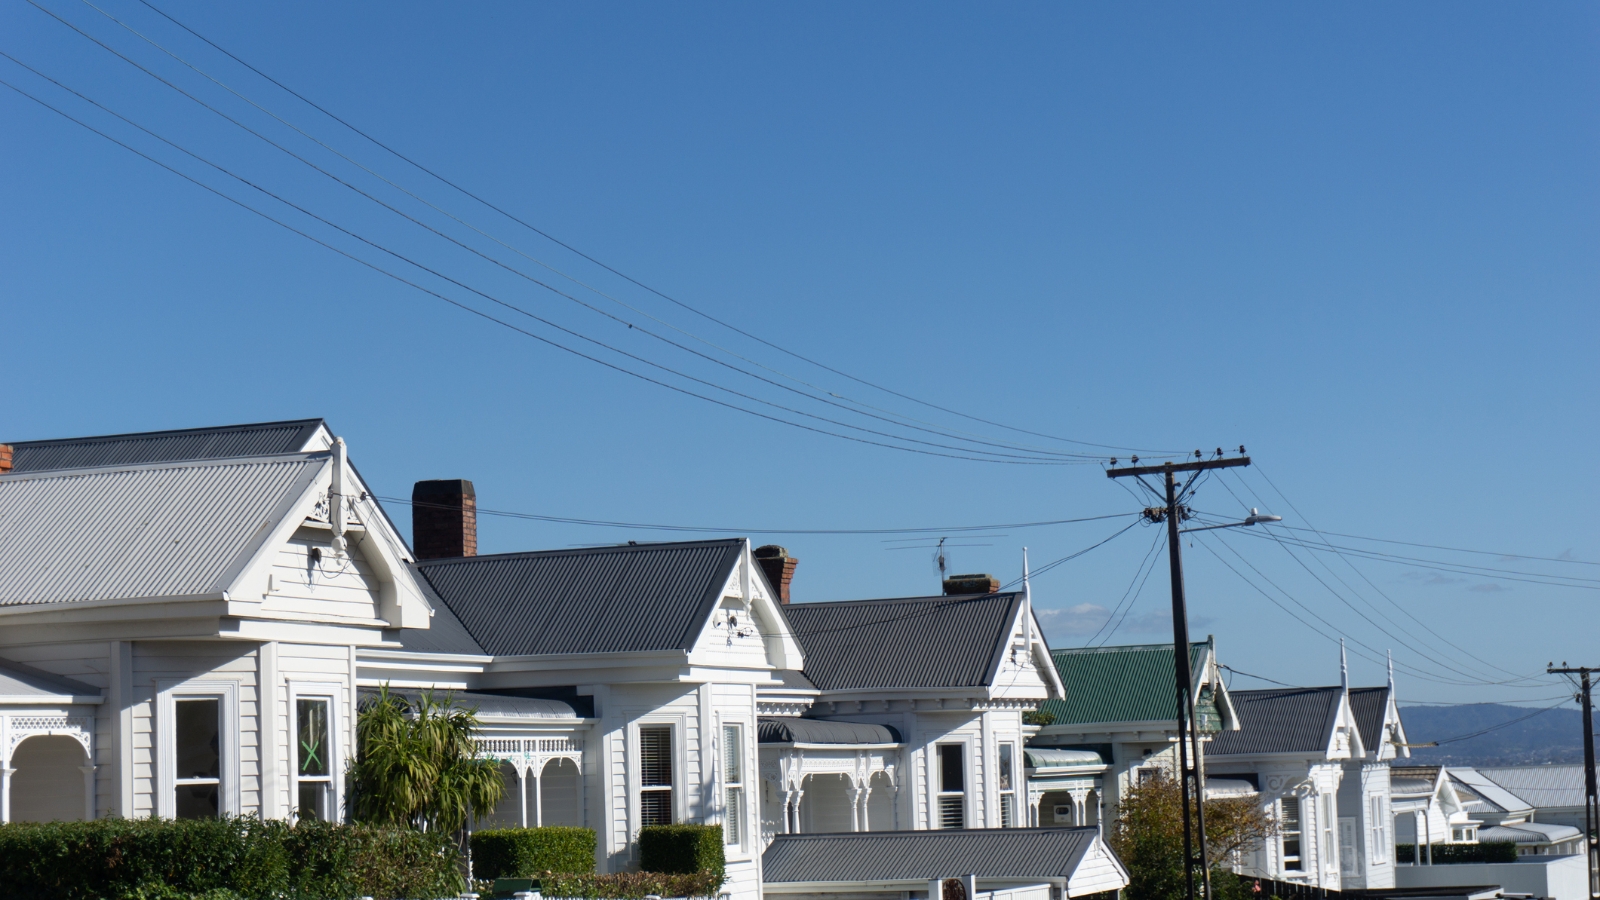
(1098, 872)
(335, 585)
(161, 665)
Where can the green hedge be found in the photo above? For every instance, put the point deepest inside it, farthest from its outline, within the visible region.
(531, 852)
(682, 850)
(1446, 854)
(163, 859)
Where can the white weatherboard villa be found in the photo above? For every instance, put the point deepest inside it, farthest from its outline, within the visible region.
(189, 619)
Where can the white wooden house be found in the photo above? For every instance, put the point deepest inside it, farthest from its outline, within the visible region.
(1319, 761)
(189, 619)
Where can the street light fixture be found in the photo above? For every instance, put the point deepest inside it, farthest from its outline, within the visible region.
(1255, 518)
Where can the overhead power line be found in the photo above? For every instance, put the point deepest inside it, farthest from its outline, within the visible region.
(546, 235)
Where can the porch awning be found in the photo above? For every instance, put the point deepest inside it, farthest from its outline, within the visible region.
(795, 730)
(1223, 788)
(1058, 758)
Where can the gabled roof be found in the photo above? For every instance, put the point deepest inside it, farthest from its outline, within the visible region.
(632, 598)
(154, 531)
(228, 441)
(1284, 720)
(1119, 684)
(909, 642)
(1496, 798)
(877, 856)
(1370, 706)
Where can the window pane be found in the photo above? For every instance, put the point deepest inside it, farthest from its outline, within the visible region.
(952, 772)
(732, 754)
(198, 729)
(312, 716)
(655, 807)
(732, 821)
(1005, 767)
(196, 801)
(655, 756)
(313, 800)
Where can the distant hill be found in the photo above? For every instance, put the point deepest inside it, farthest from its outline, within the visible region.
(1552, 736)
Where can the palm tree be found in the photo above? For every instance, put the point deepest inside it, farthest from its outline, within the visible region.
(417, 765)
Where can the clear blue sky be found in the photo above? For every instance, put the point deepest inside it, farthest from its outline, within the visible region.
(1360, 240)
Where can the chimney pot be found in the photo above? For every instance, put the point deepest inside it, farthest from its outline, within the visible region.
(444, 519)
(971, 584)
(5, 458)
(778, 566)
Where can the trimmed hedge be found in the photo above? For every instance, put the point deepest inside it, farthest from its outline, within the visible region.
(1446, 854)
(531, 852)
(165, 859)
(682, 850)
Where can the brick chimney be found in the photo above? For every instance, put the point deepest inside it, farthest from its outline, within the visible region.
(971, 584)
(779, 566)
(5, 458)
(444, 519)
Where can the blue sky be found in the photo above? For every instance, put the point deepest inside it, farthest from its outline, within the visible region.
(1358, 240)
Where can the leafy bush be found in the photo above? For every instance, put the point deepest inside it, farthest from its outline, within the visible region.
(682, 850)
(220, 859)
(632, 885)
(531, 852)
(1445, 854)
(1038, 717)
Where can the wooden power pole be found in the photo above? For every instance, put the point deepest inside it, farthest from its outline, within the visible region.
(1191, 781)
(1591, 803)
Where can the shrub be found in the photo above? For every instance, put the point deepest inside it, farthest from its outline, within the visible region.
(530, 852)
(237, 859)
(1446, 854)
(631, 885)
(682, 850)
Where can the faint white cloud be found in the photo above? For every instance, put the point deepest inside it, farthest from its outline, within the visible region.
(1085, 619)
(1488, 587)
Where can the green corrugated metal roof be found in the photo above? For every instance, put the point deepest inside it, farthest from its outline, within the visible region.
(1118, 684)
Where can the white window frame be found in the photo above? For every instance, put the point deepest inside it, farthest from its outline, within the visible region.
(1330, 838)
(332, 692)
(749, 805)
(1299, 835)
(1007, 796)
(635, 768)
(1379, 829)
(936, 781)
(166, 739)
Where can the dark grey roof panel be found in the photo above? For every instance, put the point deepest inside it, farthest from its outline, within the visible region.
(794, 730)
(444, 634)
(1288, 720)
(1368, 705)
(631, 598)
(260, 439)
(916, 641)
(1032, 853)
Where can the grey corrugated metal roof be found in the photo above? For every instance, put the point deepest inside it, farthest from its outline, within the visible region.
(1544, 787)
(593, 600)
(1368, 705)
(162, 530)
(444, 634)
(1529, 833)
(1284, 720)
(227, 441)
(25, 684)
(794, 730)
(911, 642)
(1020, 853)
(1498, 798)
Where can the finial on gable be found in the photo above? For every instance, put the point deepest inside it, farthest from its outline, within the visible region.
(1390, 654)
(1344, 669)
(1027, 603)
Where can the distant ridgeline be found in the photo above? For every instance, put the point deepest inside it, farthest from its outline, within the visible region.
(1552, 736)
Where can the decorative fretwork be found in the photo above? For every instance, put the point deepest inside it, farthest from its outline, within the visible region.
(529, 752)
(79, 728)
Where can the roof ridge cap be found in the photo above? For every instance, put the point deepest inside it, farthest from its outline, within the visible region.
(213, 462)
(166, 431)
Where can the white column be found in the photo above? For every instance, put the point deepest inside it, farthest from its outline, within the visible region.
(88, 792)
(538, 794)
(5, 794)
(522, 796)
(798, 795)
